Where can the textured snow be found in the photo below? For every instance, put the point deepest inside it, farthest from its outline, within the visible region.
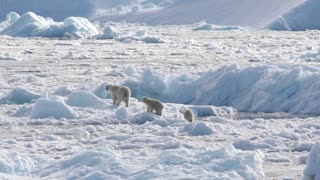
(225, 162)
(241, 12)
(273, 88)
(212, 27)
(84, 99)
(198, 129)
(218, 74)
(19, 95)
(45, 108)
(32, 25)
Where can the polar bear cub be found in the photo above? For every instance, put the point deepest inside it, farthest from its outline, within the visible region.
(153, 104)
(119, 94)
(188, 115)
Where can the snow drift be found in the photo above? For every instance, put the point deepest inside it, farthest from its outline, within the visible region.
(198, 129)
(223, 163)
(19, 95)
(111, 32)
(278, 88)
(305, 16)
(45, 108)
(32, 25)
(84, 99)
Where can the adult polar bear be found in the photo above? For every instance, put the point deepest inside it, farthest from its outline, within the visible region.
(119, 94)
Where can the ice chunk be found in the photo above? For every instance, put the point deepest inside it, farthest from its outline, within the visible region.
(312, 171)
(84, 98)
(152, 40)
(151, 84)
(276, 88)
(122, 114)
(110, 32)
(198, 129)
(10, 57)
(101, 92)
(12, 163)
(303, 17)
(12, 17)
(249, 145)
(32, 25)
(216, 28)
(144, 117)
(213, 110)
(62, 91)
(19, 95)
(45, 108)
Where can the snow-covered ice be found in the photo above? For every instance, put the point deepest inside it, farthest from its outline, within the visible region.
(254, 94)
(32, 25)
(312, 170)
(303, 17)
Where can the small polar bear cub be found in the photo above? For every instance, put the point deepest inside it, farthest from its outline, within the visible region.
(188, 115)
(119, 94)
(153, 104)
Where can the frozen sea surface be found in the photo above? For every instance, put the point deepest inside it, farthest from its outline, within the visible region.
(94, 139)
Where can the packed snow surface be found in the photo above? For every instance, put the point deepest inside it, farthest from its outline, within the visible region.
(58, 121)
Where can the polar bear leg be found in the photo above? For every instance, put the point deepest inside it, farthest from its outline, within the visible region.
(127, 102)
(118, 101)
(159, 111)
(114, 99)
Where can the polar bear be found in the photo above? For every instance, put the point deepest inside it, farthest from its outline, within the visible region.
(119, 94)
(153, 104)
(188, 115)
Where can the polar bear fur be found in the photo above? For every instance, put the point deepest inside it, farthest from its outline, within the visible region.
(119, 94)
(188, 115)
(153, 104)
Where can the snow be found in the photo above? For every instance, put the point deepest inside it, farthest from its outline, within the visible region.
(62, 91)
(240, 13)
(173, 162)
(213, 111)
(19, 95)
(58, 9)
(209, 27)
(198, 129)
(32, 25)
(61, 122)
(45, 108)
(109, 32)
(220, 12)
(9, 57)
(11, 162)
(84, 98)
(303, 17)
(312, 171)
(265, 88)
